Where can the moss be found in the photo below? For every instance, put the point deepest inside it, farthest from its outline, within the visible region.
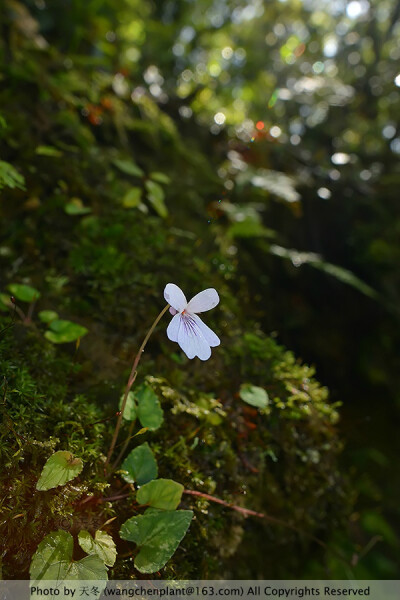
(280, 461)
(41, 413)
(106, 270)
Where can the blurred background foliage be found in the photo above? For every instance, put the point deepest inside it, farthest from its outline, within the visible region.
(251, 145)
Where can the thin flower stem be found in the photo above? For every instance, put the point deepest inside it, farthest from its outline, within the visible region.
(131, 380)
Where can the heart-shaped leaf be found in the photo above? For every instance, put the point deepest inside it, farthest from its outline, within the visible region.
(48, 315)
(62, 332)
(157, 534)
(130, 410)
(149, 409)
(60, 468)
(254, 395)
(102, 545)
(22, 292)
(160, 493)
(140, 465)
(53, 561)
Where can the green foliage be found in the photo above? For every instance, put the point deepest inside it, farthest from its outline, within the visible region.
(76, 207)
(155, 195)
(309, 258)
(46, 316)
(254, 395)
(23, 292)
(158, 535)
(212, 465)
(62, 331)
(40, 414)
(149, 410)
(128, 167)
(102, 544)
(160, 493)
(160, 177)
(53, 561)
(140, 465)
(132, 198)
(48, 151)
(142, 403)
(277, 183)
(9, 177)
(61, 467)
(82, 113)
(130, 410)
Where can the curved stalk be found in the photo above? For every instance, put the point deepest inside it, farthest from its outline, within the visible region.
(130, 382)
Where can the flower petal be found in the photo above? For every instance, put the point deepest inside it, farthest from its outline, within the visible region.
(192, 340)
(173, 328)
(208, 333)
(205, 300)
(175, 297)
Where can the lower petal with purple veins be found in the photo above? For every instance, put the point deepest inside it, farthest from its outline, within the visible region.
(191, 339)
(208, 333)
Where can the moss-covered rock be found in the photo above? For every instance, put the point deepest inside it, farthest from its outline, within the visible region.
(280, 460)
(88, 227)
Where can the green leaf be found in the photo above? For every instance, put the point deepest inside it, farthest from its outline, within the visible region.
(149, 409)
(157, 535)
(246, 220)
(64, 331)
(53, 561)
(76, 207)
(160, 177)
(347, 277)
(9, 177)
(60, 468)
(130, 410)
(160, 493)
(248, 228)
(46, 316)
(254, 395)
(140, 464)
(128, 167)
(132, 198)
(25, 293)
(48, 151)
(155, 195)
(103, 545)
(315, 260)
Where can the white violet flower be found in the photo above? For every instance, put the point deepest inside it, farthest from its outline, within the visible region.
(186, 328)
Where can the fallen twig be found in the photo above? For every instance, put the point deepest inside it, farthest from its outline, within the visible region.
(252, 513)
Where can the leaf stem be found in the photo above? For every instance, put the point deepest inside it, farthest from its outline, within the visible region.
(130, 383)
